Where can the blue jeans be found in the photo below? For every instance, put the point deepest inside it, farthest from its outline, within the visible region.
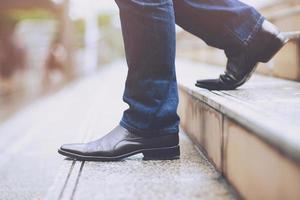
(148, 28)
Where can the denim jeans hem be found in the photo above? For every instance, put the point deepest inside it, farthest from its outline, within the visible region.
(255, 30)
(140, 132)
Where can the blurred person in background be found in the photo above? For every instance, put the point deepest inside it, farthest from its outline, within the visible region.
(55, 62)
(150, 125)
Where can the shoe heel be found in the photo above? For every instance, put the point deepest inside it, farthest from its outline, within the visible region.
(167, 153)
(270, 51)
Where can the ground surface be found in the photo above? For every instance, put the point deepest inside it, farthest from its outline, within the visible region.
(30, 167)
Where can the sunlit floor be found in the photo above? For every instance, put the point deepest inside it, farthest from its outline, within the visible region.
(30, 167)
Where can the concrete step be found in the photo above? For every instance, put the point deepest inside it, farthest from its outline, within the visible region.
(31, 168)
(250, 134)
(191, 177)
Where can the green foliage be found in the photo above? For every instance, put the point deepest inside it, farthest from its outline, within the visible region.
(40, 14)
(104, 20)
(79, 26)
(111, 42)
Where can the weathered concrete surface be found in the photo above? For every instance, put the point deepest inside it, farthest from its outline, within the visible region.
(267, 106)
(254, 130)
(204, 125)
(252, 165)
(191, 177)
(30, 167)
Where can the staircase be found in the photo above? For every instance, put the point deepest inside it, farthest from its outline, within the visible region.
(251, 135)
(31, 168)
(241, 144)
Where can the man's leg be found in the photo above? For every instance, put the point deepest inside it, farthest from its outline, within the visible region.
(150, 124)
(236, 28)
(151, 90)
(225, 24)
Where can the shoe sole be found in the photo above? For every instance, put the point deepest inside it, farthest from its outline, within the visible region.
(165, 153)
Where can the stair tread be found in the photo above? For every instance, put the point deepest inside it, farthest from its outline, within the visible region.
(190, 177)
(268, 106)
(30, 167)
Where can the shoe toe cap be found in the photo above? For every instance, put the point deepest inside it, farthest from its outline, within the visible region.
(208, 83)
(73, 148)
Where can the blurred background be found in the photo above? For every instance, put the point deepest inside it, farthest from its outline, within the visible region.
(45, 44)
(69, 51)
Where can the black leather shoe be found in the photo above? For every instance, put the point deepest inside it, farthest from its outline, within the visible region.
(120, 143)
(242, 63)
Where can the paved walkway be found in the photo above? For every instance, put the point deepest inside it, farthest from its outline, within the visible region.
(30, 167)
